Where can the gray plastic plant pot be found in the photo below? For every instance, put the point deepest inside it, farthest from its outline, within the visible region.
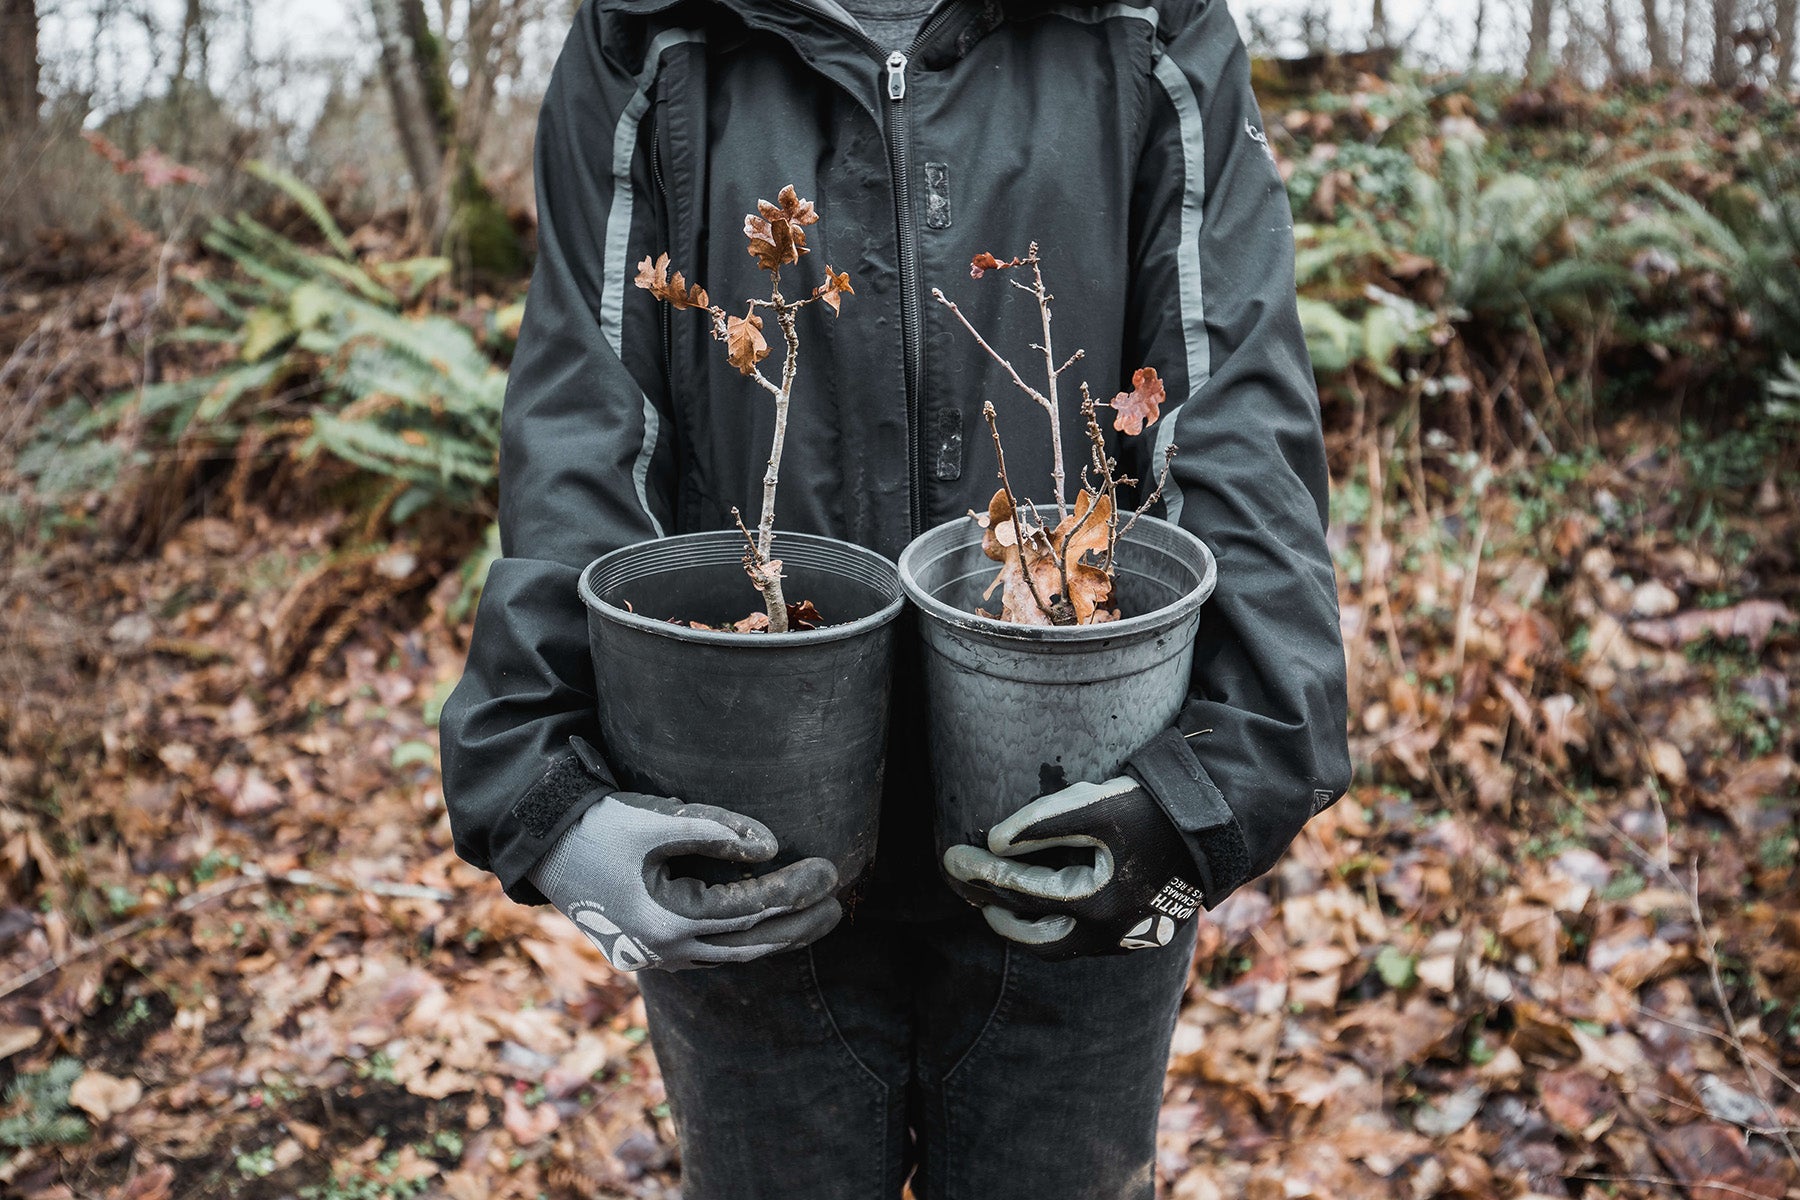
(1019, 711)
(789, 728)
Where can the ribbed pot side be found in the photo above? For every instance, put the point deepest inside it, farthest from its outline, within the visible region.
(1019, 711)
(790, 729)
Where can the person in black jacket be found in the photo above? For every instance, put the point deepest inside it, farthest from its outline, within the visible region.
(1017, 1051)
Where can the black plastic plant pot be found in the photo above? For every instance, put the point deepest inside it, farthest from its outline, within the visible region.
(788, 728)
(1019, 711)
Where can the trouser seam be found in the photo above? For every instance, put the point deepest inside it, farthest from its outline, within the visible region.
(884, 1166)
(946, 1181)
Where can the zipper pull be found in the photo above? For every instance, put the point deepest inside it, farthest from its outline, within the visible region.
(896, 69)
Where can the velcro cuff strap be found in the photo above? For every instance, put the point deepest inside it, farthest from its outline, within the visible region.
(559, 788)
(1173, 775)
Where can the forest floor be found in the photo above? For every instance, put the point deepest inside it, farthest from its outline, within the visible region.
(1548, 945)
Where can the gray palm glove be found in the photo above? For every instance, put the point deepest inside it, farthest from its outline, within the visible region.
(1132, 885)
(609, 873)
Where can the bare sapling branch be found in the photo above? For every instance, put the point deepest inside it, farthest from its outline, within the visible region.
(777, 236)
(1020, 538)
(1162, 479)
(1079, 556)
(1051, 371)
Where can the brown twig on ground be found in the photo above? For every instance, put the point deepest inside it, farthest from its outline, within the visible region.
(252, 874)
(1708, 944)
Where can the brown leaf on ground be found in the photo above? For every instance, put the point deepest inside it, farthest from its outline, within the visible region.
(1713, 1163)
(153, 1183)
(528, 1125)
(1752, 620)
(100, 1095)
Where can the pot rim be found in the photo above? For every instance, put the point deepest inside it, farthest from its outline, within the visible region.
(971, 622)
(795, 639)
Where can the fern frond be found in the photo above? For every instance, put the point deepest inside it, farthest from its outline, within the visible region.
(307, 199)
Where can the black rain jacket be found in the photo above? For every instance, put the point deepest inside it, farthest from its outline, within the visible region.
(1125, 140)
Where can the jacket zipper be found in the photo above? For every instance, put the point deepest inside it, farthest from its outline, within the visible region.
(911, 318)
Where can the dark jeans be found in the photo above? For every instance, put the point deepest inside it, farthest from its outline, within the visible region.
(924, 1048)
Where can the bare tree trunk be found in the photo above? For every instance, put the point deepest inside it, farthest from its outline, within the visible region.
(1655, 40)
(1724, 55)
(1480, 29)
(413, 121)
(20, 96)
(1378, 24)
(1613, 39)
(461, 212)
(1786, 30)
(1537, 47)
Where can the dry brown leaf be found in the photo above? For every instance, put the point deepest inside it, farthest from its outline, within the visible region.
(1139, 407)
(528, 1125)
(984, 262)
(1084, 531)
(835, 288)
(152, 1183)
(100, 1095)
(14, 1038)
(653, 277)
(744, 344)
(775, 230)
(1752, 620)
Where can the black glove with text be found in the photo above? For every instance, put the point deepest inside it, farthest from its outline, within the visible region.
(1141, 886)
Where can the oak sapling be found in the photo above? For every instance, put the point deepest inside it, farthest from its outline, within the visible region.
(777, 238)
(1061, 574)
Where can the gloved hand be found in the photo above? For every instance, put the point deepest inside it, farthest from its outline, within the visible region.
(609, 874)
(1140, 888)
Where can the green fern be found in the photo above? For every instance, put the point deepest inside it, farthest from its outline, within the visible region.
(48, 1118)
(321, 337)
(307, 199)
(1497, 239)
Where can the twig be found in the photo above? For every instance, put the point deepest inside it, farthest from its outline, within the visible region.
(938, 295)
(1689, 1185)
(1051, 371)
(1470, 577)
(1709, 946)
(251, 874)
(1162, 479)
(1012, 503)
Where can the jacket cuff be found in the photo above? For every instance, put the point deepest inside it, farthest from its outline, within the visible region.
(1170, 772)
(540, 816)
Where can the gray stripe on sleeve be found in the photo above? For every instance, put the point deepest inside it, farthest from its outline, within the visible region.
(1193, 206)
(618, 271)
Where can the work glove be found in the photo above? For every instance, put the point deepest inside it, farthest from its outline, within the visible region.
(609, 873)
(1140, 888)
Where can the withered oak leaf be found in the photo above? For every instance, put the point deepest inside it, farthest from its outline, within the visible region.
(653, 277)
(744, 344)
(1090, 587)
(984, 262)
(1141, 405)
(775, 230)
(835, 287)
